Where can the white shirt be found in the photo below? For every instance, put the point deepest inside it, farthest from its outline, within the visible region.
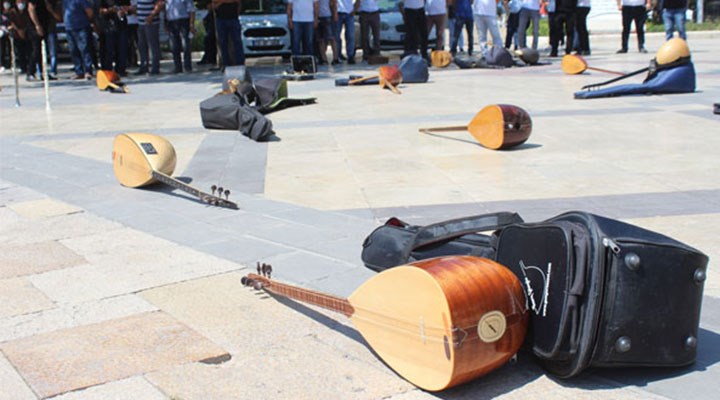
(302, 10)
(633, 3)
(583, 3)
(345, 6)
(368, 6)
(531, 4)
(414, 4)
(436, 7)
(325, 9)
(485, 7)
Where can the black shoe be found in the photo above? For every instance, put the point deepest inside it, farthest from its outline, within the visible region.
(621, 51)
(642, 50)
(351, 60)
(585, 52)
(342, 58)
(142, 71)
(336, 62)
(553, 53)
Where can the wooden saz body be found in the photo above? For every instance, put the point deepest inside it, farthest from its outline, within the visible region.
(438, 322)
(141, 159)
(137, 155)
(501, 126)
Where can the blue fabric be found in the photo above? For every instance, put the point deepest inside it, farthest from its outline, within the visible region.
(180, 42)
(78, 44)
(347, 20)
(679, 79)
(74, 16)
(230, 28)
(463, 9)
(674, 19)
(302, 38)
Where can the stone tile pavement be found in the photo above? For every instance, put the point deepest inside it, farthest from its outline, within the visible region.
(108, 292)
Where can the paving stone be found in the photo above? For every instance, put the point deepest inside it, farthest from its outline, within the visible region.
(43, 208)
(67, 360)
(18, 296)
(72, 315)
(51, 229)
(131, 388)
(28, 259)
(13, 387)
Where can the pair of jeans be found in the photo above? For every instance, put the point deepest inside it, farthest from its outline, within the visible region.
(562, 21)
(457, 33)
(511, 32)
(527, 15)
(439, 21)
(483, 23)
(674, 18)
(630, 14)
(348, 21)
(51, 40)
(116, 50)
(149, 35)
(302, 38)
(230, 28)
(370, 21)
(78, 42)
(180, 42)
(581, 14)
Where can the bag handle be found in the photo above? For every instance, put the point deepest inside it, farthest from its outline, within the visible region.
(453, 228)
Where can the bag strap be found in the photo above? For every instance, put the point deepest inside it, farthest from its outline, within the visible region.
(453, 228)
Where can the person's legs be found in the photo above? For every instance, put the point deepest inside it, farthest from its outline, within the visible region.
(680, 23)
(175, 43)
(121, 52)
(236, 37)
(375, 28)
(640, 18)
(154, 41)
(75, 52)
(481, 26)
(422, 32)
(221, 26)
(456, 32)
(626, 21)
(535, 16)
(495, 31)
(523, 19)
(296, 39)
(307, 33)
(364, 32)
(143, 48)
(469, 30)
(511, 28)
(51, 43)
(569, 31)
(581, 27)
(349, 23)
(108, 55)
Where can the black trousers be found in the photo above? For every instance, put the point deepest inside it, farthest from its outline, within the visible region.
(370, 21)
(416, 34)
(581, 14)
(562, 21)
(630, 14)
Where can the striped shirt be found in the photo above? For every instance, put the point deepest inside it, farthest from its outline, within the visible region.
(144, 9)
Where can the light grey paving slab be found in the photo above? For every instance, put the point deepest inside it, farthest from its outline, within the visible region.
(131, 388)
(305, 268)
(72, 315)
(11, 193)
(244, 250)
(12, 384)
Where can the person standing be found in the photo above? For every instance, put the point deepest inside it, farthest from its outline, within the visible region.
(77, 15)
(114, 27)
(436, 11)
(132, 23)
(180, 23)
(325, 31)
(563, 20)
(45, 15)
(485, 12)
(512, 7)
(346, 18)
(463, 17)
(303, 17)
(416, 26)
(529, 11)
(369, 12)
(209, 44)
(581, 13)
(673, 14)
(228, 29)
(149, 35)
(633, 10)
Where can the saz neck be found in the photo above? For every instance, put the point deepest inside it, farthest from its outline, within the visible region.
(204, 197)
(308, 296)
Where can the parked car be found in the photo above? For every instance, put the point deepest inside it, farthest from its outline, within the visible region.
(264, 28)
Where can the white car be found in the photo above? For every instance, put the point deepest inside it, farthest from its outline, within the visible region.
(264, 28)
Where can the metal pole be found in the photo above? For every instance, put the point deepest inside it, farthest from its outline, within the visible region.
(46, 81)
(14, 71)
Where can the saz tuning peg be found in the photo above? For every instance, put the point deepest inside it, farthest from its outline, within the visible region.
(213, 188)
(227, 194)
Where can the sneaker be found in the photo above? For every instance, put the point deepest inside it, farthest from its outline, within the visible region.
(30, 78)
(52, 77)
(621, 51)
(642, 50)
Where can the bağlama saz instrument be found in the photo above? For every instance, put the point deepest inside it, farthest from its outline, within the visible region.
(388, 76)
(438, 322)
(497, 126)
(141, 159)
(573, 64)
(110, 81)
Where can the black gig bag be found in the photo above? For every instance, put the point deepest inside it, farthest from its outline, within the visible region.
(397, 242)
(603, 293)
